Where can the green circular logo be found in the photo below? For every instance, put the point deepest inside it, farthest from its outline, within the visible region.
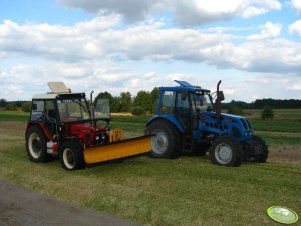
(282, 215)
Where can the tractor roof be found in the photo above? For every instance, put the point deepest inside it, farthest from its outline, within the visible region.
(52, 96)
(59, 90)
(185, 86)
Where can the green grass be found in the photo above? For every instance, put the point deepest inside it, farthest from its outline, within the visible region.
(131, 119)
(276, 125)
(281, 114)
(13, 116)
(183, 191)
(276, 138)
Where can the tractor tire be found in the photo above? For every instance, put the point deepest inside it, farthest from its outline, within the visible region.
(226, 152)
(260, 143)
(36, 145)
(72, 155)
(166, 141)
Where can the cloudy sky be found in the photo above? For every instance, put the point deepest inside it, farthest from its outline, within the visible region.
(253, 46)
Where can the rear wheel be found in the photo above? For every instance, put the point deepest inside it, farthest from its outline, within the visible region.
(226, 152)
(166, 140)
(36, 144)
(72, 156)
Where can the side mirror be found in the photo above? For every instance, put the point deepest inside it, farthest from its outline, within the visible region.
(221, 95)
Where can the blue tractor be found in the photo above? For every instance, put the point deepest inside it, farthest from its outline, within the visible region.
(187, 121)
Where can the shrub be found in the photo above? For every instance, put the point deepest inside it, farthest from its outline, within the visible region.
(137, 110)
(267, 113)
(11, 107)
(235, 110)
(26, 106)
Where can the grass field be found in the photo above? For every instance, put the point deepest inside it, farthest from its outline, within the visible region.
(184, 191)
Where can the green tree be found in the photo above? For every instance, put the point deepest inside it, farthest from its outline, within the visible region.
(11, 107)
(137, 110)
(3, 103)
(115, 104)
(143, 100)
(125, 102)
(235, 110)
(26, 106)
(267, 113)
(154, 97)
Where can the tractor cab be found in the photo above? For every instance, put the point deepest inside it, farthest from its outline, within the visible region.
(184, 104)
(69, 108)
(65, 114)
(189, 121)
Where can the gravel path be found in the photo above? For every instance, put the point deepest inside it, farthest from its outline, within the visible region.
(22, 206)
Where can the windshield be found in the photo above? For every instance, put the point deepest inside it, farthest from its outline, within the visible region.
(102, 109)
(203, 102)
(73, 109)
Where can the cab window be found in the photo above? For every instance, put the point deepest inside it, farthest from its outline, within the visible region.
(168, 100)
(37, 109)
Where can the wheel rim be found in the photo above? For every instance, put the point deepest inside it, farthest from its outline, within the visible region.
(159, 142)
(68, 158)
(35, 145)
(223, 153)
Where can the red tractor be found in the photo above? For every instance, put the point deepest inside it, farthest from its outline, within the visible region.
(62, 125)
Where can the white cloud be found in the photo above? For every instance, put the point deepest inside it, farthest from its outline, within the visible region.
(186, 12)
(22, 81)
(269, 30)
(295, 87)
(296, 4)
(88, 41)
(295, 28)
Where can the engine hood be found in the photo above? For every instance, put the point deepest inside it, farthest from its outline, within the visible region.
(87, 128)
(223, 115)
(228, 118)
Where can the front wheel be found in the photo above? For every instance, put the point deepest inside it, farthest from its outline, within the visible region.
(36, 144)
(72, 156)
(226, 152)
(260, 150)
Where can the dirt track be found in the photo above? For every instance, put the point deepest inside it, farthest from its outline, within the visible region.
(22, 206)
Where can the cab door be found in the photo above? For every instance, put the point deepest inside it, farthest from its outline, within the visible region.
(184, 109)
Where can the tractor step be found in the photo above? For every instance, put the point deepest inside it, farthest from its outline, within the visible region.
(188, 145)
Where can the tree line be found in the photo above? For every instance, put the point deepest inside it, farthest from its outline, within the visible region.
(145, 103)
(262, 103)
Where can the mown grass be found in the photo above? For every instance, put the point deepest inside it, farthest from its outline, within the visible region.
(13, 116)
(183, 191)
(280, 114)
(276, 125)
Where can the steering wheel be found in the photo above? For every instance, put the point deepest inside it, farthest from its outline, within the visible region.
(49, 119)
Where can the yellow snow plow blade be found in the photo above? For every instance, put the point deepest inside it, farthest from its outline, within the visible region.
(119, 149)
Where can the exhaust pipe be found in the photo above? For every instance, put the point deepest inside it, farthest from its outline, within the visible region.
(92, 109)
(218, 102)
